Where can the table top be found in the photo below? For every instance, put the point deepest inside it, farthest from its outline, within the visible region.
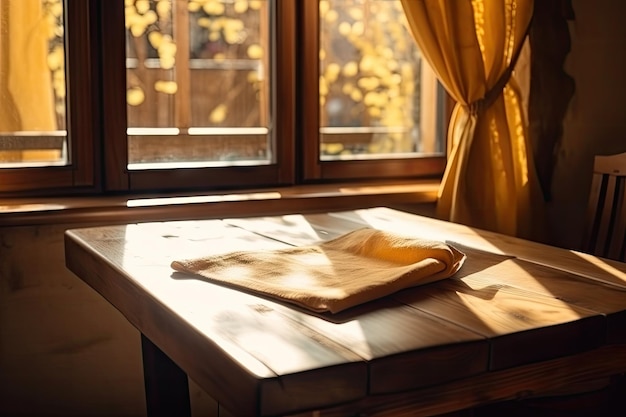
(518, 316)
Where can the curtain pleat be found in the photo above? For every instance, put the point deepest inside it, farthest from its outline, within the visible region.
(472, 45)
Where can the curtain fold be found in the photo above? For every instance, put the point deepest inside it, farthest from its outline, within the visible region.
(472, 46)
(26, 94)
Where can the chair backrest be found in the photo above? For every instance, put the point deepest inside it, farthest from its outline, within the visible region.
(605, 233)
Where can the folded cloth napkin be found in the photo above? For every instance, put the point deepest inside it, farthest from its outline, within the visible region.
(354, 268)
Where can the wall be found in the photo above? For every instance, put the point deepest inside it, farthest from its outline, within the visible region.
(595, 122)
(64, 351)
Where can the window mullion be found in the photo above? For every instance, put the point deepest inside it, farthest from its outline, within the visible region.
(83, 98)
(182, 104)
(309, 72)
(115, 150)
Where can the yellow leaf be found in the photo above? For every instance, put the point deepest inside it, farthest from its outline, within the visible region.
(167, 46)
(164, 8)
(382, 72)
(150, 17)
(374, 112)
(142, 6)
(350, 69)
(234, 24)
(55, 59)
(155, 39)
(232, 36)
(218, 115)
(204, 22)
(214, 36)
(166, 87)
(131, 16)
(367, 63)
(240, 6)
(253, 77)
(332, 72)
(345, 28)
(331, 16)
(138, 29)
(214, 8)
(356, 13)
(324, 7)
(395, 79)
(358, 29)
(59, 87)
(356, 95)
(167, 62)
(255, 51)
(135, 96)
(368, 83)
(370, 99)
(323, 87)
(333, 148)
(57, 9)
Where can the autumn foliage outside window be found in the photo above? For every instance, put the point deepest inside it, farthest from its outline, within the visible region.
(196, 94)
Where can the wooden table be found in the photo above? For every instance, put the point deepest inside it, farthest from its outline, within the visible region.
(520, 318)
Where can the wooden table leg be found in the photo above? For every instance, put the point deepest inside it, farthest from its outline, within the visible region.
(167, 386)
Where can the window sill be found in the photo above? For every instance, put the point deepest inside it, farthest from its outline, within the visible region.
(297, 199)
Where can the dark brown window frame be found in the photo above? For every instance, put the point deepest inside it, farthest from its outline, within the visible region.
(314, 169)
(119, 178)
(97, 119)
(83, 171)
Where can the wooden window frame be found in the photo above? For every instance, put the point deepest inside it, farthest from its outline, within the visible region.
(97, 124)
(118, 178)
(313, 168)
(81, 174)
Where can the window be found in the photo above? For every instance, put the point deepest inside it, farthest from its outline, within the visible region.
(198, 86)
(171, 95)
(33, 56)
(378, 107)
(47, 131)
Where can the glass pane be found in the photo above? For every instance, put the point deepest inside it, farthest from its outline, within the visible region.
(32, 83)
(377, 97)
(198, 85)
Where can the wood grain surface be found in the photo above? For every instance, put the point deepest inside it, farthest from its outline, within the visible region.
(515, 311)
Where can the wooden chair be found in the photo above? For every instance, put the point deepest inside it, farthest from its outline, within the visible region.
(605, 233)
(605, 236)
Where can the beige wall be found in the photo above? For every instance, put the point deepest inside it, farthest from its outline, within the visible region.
(65, 351)
(595, 122)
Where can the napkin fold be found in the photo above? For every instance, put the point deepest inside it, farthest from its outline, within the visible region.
(355, 268)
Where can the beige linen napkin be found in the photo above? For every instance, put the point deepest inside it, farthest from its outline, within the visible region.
(354, 268)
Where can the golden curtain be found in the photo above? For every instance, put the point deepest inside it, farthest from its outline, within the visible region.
(472, 46)
(26, 95)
